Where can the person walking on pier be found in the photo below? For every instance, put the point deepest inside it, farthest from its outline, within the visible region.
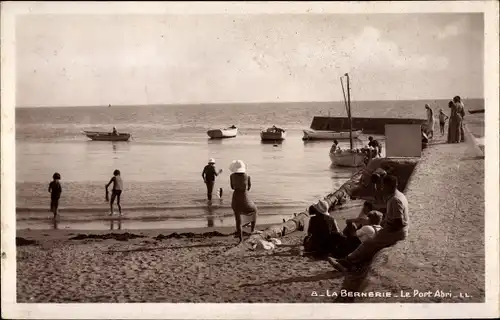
(430, 121)
(461, 112)
(454, 124)
(442, 120)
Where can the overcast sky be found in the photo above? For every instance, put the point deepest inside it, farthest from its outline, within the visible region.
(71, 60)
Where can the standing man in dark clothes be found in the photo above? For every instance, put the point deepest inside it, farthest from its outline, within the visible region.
(55, 190)
(375, 144)
(209, 173)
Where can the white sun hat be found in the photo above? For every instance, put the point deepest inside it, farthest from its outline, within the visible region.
(237, 166)
(211, 160)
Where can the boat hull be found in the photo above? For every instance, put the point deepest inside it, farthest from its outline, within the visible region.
(95, 136)
(222, 133)
(272, 136)
(476, 111)
(328, 135)
(348, 159)
(93, 133)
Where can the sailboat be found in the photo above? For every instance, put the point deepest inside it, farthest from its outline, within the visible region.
(349, 157)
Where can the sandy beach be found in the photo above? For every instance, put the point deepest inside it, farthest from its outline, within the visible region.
(145, 269)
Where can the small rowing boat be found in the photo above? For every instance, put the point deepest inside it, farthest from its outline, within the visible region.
(107, 136)
(273, 134)
(348, 158)
(310, 134)
(230, 132)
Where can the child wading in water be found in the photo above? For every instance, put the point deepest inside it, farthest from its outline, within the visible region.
(115, 192)
(55, 190)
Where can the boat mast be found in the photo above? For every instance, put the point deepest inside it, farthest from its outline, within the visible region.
(349, 110)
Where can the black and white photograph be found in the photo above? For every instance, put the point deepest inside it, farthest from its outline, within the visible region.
(326, 156)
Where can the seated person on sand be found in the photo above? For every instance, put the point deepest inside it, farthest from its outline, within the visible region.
(321, 228)
(353, 236)
(324, 237)
(394, 228)
(362, 219)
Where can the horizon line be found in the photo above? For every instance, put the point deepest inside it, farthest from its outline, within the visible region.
(227, 103)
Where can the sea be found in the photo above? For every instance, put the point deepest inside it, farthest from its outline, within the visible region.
(161, 164)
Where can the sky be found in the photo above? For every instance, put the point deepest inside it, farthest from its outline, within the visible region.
(86, 60)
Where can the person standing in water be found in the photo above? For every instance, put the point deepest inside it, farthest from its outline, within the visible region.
(209, 173)
(55, 190)
(116, 192)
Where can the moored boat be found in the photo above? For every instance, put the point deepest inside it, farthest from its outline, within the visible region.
(273, 134)
(230, 132)
(310, 134)
(348, 158)
(476, 111)
(107, 136)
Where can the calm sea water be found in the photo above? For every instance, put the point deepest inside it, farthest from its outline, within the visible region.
(161, 166)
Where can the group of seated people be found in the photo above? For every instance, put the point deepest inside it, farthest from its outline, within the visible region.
(363, 236)
(325, 238)
(373, 149)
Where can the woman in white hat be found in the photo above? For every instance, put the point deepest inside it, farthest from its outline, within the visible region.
(245, 211)
(320, 229)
